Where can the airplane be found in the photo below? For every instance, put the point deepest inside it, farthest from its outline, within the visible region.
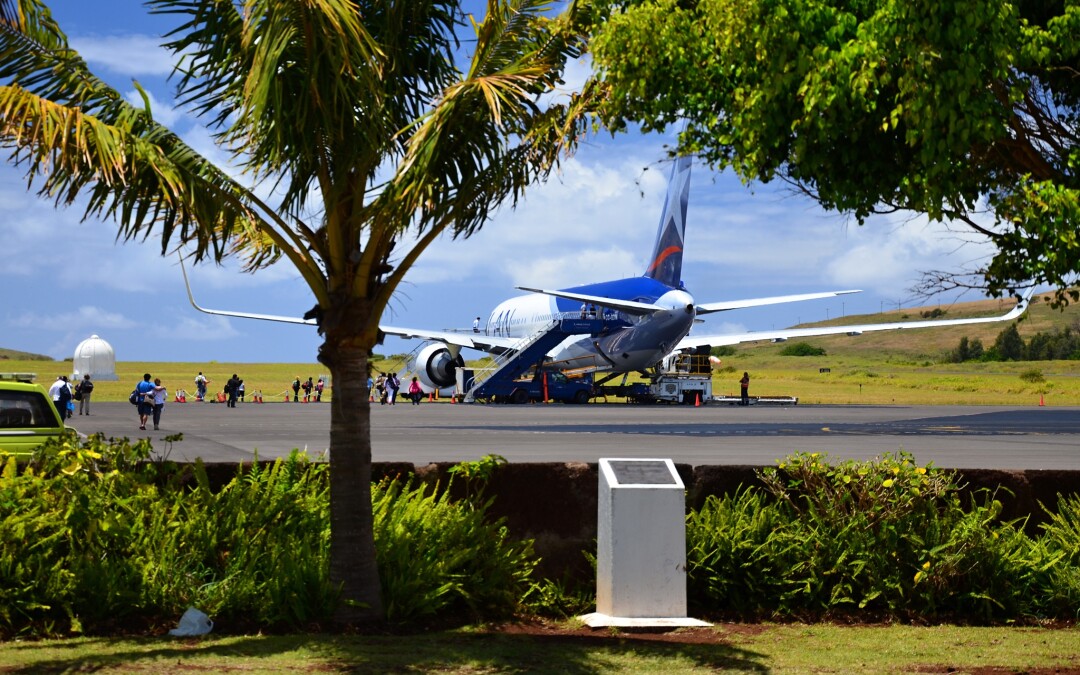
(644, 318)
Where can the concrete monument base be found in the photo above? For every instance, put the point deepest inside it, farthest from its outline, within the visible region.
(598, 620)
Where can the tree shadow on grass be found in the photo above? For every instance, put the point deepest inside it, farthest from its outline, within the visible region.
(445, 651)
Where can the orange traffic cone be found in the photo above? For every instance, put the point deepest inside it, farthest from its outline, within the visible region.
(286, 397)
(697, 401)
(431, 396)
(1042, 401)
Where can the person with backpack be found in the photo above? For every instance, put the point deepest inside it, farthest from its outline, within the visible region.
(82, 394)
(318, 390)
(232, 390)
(144, 399)
(200, 386)
(296, 390)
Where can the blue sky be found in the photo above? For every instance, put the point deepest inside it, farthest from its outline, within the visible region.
(595, 220)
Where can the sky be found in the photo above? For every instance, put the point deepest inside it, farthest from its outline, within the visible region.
(66, 279)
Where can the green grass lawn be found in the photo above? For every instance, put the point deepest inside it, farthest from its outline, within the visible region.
(849, 379)
(726, 648)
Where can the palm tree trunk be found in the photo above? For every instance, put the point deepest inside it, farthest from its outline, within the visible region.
(352, 542)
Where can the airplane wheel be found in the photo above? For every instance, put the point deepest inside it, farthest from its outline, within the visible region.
(519, 396)
(581, 397)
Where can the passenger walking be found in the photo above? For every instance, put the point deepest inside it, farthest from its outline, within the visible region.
(60, 394)
(415, 392)
(296, 390)
(744, 385)
(82, 394)
(308, 386)
(380, 385)
(144, 393)
(240, 390)
(319, 388)
(392, 385)
(232, 388)
(200, 386)
(160, 394)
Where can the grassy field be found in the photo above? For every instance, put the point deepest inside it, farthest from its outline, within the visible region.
(851, 379)
(889, 368)
(726, 648)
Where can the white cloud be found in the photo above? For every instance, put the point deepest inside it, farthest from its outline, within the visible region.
(133, 55)
(197, 328)
(86, 319)
(888, 254)
(581, 266)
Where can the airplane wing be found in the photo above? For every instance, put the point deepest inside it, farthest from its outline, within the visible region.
(242, 315)
(627, 306)
(692, 341)
(710, 307)
(480, 342)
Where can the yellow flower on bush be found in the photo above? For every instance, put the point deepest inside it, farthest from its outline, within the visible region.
(888, 482)
(895, 470)
(921, 471)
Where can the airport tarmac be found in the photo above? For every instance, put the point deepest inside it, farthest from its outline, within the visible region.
(992, 437)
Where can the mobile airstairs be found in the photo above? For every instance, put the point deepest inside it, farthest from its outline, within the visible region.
(500, 382)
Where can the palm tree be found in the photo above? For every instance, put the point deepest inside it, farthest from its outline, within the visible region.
(374, 144)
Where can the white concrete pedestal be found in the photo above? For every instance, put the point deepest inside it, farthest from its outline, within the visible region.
(640, 546)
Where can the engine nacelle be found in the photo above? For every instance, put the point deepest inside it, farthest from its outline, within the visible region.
(435, 365)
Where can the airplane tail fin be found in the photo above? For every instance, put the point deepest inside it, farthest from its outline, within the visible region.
(666, 263)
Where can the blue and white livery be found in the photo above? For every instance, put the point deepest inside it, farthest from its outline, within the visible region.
(645, 318)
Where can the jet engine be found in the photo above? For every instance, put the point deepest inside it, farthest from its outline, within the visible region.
(434, 365)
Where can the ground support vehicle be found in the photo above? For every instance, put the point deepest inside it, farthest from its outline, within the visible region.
(28, 417)
(682, 378)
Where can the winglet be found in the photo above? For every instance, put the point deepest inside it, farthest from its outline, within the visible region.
(239, 315)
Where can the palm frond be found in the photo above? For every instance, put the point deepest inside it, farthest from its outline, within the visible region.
(487, 138)
(78, 136)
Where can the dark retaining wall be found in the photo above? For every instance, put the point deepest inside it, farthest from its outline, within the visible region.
(555, 503)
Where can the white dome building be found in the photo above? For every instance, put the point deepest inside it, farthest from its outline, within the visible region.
(96, 357)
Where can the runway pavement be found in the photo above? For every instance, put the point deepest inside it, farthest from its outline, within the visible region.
(998, 437)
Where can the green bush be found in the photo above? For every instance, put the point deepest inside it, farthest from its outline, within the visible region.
(886, 537)
(94, 537)
(802, 349)
(436, 556)
(1033, 375)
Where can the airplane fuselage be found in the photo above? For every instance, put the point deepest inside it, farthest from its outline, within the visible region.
(628, 342)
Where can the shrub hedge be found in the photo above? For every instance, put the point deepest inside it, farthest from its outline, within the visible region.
(95, 537)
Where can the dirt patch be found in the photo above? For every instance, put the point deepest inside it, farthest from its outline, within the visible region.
(718, 634)
(996, 670)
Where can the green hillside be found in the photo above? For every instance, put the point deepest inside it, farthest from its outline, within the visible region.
(931, 343)
(15, 355)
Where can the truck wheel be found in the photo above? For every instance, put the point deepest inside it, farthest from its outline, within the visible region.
(519, 396)
(580, 397)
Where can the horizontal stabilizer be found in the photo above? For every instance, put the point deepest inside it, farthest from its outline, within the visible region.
(627, 306)
(710, 307)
